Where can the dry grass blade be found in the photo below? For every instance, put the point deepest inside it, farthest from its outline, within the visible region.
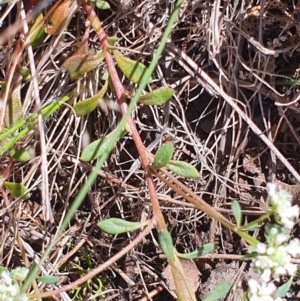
(234, 115)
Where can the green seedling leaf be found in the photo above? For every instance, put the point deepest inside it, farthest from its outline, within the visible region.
(89, 105)
(156, 97)
(183, 169)
(163, 155)
(24, 71)
(48, 279)
(98, 148)
(14, 108)
(118, 226)
(220, 291)
(101, 4)
(79, 64)
(207, 248)
(283, 289)
(37, 32)
(133, 70)
(19, 273)
(112, 41)
(166, 244)
(237, 213)
(20, 155)
(17, 190)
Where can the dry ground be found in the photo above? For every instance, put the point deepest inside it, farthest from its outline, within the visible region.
(233, 66)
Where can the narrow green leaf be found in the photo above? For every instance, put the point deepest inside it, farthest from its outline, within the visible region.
(29, 123)
(37, 32)
(251, 228)
(183, 169)
(283, 289)
(163, 155)
(89, 105)
(101, 4)
(220, 291)
(118, 226)
(14, 108)
(207, 248)
(98, 148)
(166, 244)
(79, 64)
(17, 190)
(20, 155)
(156, 97)
(237, 213)
(48, 279)
(133, 70)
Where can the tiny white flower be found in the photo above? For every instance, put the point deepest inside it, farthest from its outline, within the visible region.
(270, 251)
(281, 238)
(288, 224)
(266, 275)
(271, 189)
(253, 286)
(267, 289)
(13, 290)
(274, 231)
(6, 277)
(261, 248)
(291, 268)
(294, 247)
(279, 271)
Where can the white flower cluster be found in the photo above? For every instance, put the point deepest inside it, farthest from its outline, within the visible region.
(281, 205)
(10, 287)
(273, 258)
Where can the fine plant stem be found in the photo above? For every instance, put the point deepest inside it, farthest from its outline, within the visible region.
(102, 267)
(190, 196)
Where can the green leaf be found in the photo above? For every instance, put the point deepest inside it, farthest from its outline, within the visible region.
(237, 213)
(207, 248)
(37, 32)
(133, 70)
(98, 148)
(101, 4)
(112, 40)
(283, 289)
(14, 108)
(251, 228)
(118, 226)
(183, 169)
(28, 124)
(220, 291)
(79, 64)
(17, 190)
(20, 155)
(89, 105)
(24, 71)
(163, 155)
(48, 279)
(156, 97)
(2, 269)
(19, 273)
(166, 244)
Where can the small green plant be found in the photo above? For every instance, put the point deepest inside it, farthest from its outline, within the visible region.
(10, 284)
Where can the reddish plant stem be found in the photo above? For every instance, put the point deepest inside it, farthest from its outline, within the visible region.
(119, 91)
